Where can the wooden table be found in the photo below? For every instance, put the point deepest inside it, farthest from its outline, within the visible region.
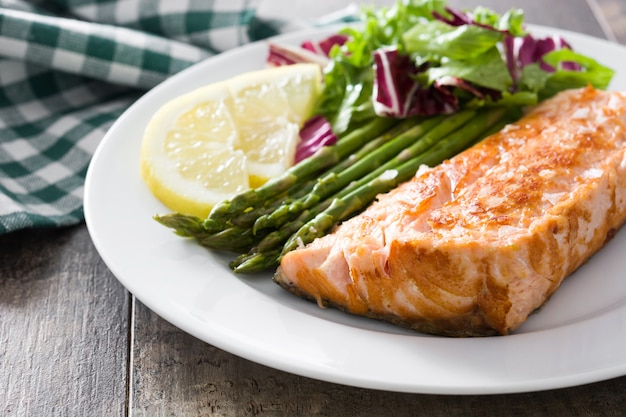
(74, 342)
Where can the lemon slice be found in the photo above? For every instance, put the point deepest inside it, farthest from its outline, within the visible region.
(219, 140)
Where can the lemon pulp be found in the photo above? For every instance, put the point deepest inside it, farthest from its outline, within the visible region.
(216, 141)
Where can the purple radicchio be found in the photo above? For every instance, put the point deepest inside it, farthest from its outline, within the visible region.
(280, 55)
(324, 46)
(315, 134)
(398, 94)
(459, 18)
(522, 51)
(519, 51)
(317, 131)
(309, 51)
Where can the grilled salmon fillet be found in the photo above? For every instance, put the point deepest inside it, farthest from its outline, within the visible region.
(473, 246)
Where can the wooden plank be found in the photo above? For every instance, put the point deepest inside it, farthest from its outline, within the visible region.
(176, 374)
(63, 327)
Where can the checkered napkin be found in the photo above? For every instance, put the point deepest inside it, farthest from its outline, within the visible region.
(69, 68)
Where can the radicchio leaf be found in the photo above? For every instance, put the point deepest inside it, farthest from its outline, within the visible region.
(522, 51)
(315, 134)
(324, 46)
(398, 94)
(459, 18)
(287, 55)
(479, 92)
(310, 51)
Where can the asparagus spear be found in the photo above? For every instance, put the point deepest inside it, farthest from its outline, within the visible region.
(222, 213)
(424, 134)
(341, 208)
(266, 247)
(290, 226)
(287, 224)
(281, 208)
(248, 217)
(346, 164)
(233, 239)
(266, 253)
(215, 236)
(319, 220)
(184, 225)
(256, 262)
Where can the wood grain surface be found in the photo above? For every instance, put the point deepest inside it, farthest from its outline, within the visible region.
(64, 325)
(74, 342)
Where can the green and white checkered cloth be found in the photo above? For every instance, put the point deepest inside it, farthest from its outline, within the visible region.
(69, 68)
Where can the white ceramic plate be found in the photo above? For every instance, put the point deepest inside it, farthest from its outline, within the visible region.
(578, 337)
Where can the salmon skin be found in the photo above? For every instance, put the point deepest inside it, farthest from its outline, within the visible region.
(474, 245)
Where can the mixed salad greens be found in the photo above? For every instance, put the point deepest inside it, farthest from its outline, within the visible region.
(412, 85)
(422, 57)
